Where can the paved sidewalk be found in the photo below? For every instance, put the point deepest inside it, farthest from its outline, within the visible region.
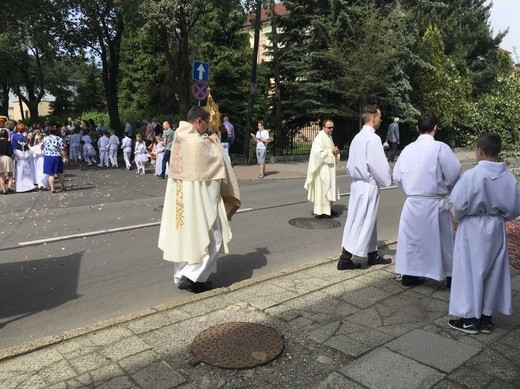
(350, 329)
(288, 170)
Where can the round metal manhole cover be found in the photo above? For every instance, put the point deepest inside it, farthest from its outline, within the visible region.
(313, 223)
(237, 345)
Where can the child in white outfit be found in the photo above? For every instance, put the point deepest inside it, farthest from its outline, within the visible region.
(126, 146)
(89, 153)
(113, 145)
(159, 153)
(103, 143)
(141, 154)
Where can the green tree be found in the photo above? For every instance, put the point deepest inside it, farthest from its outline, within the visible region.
(440, 87)
(29, 52)
(98, 26)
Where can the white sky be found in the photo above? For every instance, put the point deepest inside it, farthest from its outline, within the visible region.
(506, 14)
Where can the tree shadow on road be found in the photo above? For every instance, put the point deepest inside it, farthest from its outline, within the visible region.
(28, 287)
(234, 268)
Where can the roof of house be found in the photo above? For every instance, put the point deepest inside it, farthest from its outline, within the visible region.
(279, 9)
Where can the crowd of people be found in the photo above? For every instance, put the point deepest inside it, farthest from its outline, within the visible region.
(474, 259)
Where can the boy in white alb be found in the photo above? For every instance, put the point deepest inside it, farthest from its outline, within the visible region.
(103, 144)
(113, 145)
(126, 146)
(482, 201)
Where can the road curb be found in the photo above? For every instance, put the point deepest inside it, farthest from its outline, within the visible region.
(26, 348)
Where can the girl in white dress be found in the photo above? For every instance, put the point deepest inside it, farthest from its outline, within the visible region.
(24, 168)
(141, 154)
(41, 179)
(159, 153)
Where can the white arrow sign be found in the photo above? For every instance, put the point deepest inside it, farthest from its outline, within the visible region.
(201, 71)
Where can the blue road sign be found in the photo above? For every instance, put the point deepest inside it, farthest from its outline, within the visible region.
(199, 90)
(200, 71)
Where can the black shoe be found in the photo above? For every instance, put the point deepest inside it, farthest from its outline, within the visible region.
(347, 264)
(197, 287)
(326, 216)
(378, 260)
(448, 283)
(319, 216)
(485, 324)
(469, 326)
(161, 176)
(334, 214)
(411, 280)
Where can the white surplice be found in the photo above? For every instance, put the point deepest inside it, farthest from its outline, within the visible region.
(369, 170)
(426, 171)
(321, 174)
(483, 200)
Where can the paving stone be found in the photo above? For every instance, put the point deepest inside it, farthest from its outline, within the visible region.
(382, 368)
(110, 335)
(433, 350)
(31, 362)
(366, 336)
(148, 323)
(103, 374)
(447, 384)
(34, 382)
(61, 385)
(323, 333)
(11, 379)
(177, 315)
(499, 384)
(159, 375)
(492, 363)
(58, 372)
(330, 273)
(261, 296)
(365, 297)
(471, 377)
(76, 347)
(89, 362)
(338, 381)
(124, 348)
(117, 383)
(137, 362)
(300, 283)
(83, 381)
(347, 345)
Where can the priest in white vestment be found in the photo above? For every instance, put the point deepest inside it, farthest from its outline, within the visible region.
(321, 173)
(201, 196)
(426, 172)
(369, 170)
(482, 201)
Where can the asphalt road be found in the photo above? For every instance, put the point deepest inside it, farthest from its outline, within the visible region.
(52, 287)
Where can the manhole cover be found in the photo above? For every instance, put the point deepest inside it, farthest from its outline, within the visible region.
(237, 345)
(313, 223)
